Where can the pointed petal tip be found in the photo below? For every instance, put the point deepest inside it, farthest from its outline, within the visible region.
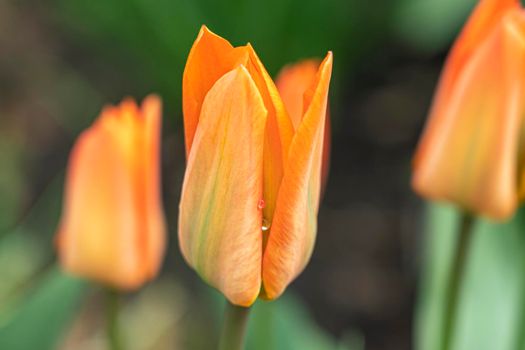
(204, 29)
(328, 61)
(151, 101)
(128, 102)
(205, 32)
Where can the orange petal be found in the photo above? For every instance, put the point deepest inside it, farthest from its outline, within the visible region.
(220, 223)
(210, 58)
(469, 151)
(112, 227)
(155, 243)
(292, 82)
(294, 225)
(278, 135)
(486, 15)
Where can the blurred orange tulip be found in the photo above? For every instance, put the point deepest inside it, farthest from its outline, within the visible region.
(112, 228)
(471, 152)
(292, 82)
(248, 211)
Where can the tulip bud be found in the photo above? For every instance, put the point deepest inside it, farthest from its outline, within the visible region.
(248, 210)
(470, 151)
(112, 228)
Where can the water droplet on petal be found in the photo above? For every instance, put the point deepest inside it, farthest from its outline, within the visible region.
(261, 204)
(265, 225)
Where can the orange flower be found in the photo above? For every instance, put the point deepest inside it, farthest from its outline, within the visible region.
(248, 211)
(470, 152)
(112, 228)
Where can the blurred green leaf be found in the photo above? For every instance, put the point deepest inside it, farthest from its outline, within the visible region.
(27, 249)
(20, 259)
(285, 324)
(282, 324)
(42, 218)
(40, 320)
(492, 295)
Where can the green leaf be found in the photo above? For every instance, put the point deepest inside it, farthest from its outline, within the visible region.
(40, 320)
(283, 324)
(286, 324)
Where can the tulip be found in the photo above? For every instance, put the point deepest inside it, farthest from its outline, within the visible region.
(112, 228)
(248, 210)
(471, 149)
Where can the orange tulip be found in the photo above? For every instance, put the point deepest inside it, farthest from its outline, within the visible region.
(112, 228)
(471, 152)
(248, 211)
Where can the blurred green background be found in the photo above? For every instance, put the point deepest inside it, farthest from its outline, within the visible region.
(61, 61)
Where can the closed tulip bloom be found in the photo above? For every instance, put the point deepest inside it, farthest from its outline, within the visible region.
(112, 228)
(471, 151)
(248, 210)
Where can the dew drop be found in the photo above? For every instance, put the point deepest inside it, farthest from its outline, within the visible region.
(265, 225)
(261, 204)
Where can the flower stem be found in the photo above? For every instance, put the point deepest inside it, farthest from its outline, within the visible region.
(112, 320)
(455, 277)
(234, 327)
(520, 337)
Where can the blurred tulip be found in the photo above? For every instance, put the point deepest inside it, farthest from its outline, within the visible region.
(471, 151)
(248, 211)
(112, 228)
(292, 82)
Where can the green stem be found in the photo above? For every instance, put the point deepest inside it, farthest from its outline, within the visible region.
(234, 327)
(112, 321)
(520, 337)
(455, 277)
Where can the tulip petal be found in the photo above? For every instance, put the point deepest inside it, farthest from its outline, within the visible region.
(138, 133)
(153, 216)
(292, 82)
(220, 222)
(469, 151)
(278, 135)
(294, 225)
(516, 26)
(486, 16)
(210, 58)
